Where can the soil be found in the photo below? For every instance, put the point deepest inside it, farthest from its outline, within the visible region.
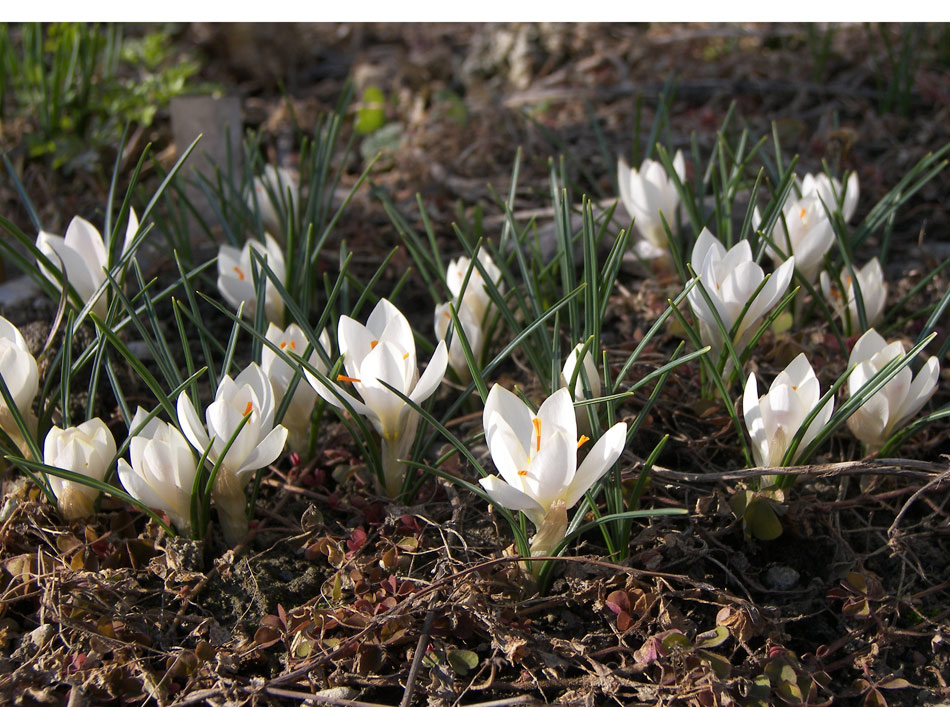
(336, 593)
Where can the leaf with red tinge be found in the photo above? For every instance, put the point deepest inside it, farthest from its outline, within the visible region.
(357, 539)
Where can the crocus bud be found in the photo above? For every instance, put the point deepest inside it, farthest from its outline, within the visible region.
(593, 380)
(257, 445)
(774, 419)
(473, 332)
(873, 294)
(649, 195)
(731, 278)
(163, 468)
(88, 450)
(19, 372)
(280, 373)
(898, 401)
(277, 188)
(237, 283)
(828, 189)
(84, 258)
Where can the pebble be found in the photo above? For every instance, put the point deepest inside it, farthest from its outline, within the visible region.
(781, 577)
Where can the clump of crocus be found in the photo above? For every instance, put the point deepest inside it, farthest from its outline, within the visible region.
(873, 294)
(774, 419)
(19, 371)
(88, 450)
(731, 278)
(280, 373)
(589, 368)
(84, 257)
(278, 187)
(384, 351)
(650, 196)
(237, 281)
(536, 455)
(898, 401)
(248, 397)
(162, 473)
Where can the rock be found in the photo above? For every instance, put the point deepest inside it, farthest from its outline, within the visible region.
(781, 577)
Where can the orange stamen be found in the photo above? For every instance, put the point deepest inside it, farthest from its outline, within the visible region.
(248, 409)
(293, 344)
(283, 345)
(347, 379)
(802, 214)
(537, 430)
(523, 472)
(582, 441)
(240, 273)
(372, 344)
(405, 356)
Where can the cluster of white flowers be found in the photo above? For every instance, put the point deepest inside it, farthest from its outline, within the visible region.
(535, 453)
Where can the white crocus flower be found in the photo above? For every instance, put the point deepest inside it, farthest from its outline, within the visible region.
(774, 419)
(803, 231)
(473, 332)
(646, 193)
(828, 190)
(536, 456)
(384, 351)
(730, 279)
(898, 401)
(476, 295)
(593, 380)
(84, 258)
(163, 468)
(237, 283)
(19, 371)
(257, 445)
(88, 450)
(280, 373)
(280, 184)
(873, 294)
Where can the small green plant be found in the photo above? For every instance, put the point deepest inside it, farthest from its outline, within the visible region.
(77, 85)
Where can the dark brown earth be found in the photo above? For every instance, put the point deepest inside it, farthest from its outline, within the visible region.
(337, 593)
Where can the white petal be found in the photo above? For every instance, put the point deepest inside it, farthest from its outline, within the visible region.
(190, 424)
(598, 460)
(506, 496)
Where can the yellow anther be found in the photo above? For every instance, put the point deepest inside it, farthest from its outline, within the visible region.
(584, 439)
(372, 344)
(801, 214)
(347, 379)
(537, 431)
(405, 356)
(248, 409)
(283, 345)
(240, 273)
(523, 472)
